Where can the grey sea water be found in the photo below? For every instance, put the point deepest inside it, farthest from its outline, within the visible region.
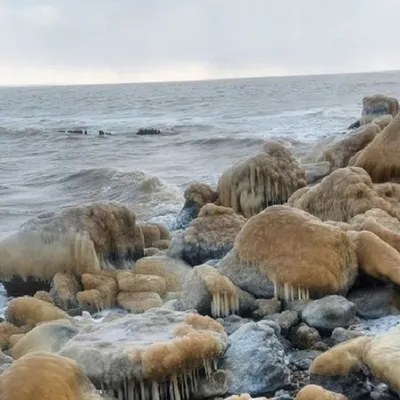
(206, 127)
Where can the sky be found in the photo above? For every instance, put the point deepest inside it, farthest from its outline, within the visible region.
(115, 41)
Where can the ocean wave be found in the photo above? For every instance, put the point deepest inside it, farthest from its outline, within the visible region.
(147, 194)
(219, 140)
(20, 132)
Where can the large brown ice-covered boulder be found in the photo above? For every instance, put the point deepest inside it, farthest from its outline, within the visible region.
(300, 254)
(270, 177)
(380, 158)
(339, 152)
(46, 376)
(342, 195)
(76, 240)
(379, 353)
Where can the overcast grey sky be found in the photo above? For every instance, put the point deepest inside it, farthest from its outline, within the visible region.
(94, 41)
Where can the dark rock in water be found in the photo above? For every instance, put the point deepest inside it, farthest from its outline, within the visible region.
(256, 360)
(340, 335)
(148, 131)
(356, 386)
(355, 125)
(189, 212)
(102, 133)
(78, 131)
(329, 313)
(303, 359)
(17, 287)
(372, 303)
(196, 196)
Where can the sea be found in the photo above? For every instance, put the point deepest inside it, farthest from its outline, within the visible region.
(205, 127)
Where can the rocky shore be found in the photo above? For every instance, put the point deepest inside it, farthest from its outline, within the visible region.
(283, 282)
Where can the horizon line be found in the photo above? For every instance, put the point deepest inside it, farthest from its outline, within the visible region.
(29, 85)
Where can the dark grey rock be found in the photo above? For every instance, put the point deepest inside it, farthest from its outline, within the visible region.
(372, 303)
(216, 385)
(340, 335)
(303, 359)
(267, 307)
(355, 386)
(304, 336)
(250, 279)
(320, 346)
(271, 324)
(329, 313)
(296, 305)
(282, 395)
(256, 360)
(316, 171)
(232, 323)
(285, 320)
(383, 392)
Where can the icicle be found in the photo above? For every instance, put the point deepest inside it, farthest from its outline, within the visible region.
(171, 391)
(291, 293)
(142, 392)
(213, 313)
(176, 388)
(286, 292)
(276, 294)
(299, 293)
(131, 390)
(192, 388)
(228, 304)
(218, 305)
(237, 299)
(125, 389)
(215, 364)
(307, 293)
(155, 395)
(186, 386)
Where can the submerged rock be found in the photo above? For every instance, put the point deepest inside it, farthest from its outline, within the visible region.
(148, 131)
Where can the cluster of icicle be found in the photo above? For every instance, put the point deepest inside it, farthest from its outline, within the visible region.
(289, 292)
(224, 304)
(180, 387)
